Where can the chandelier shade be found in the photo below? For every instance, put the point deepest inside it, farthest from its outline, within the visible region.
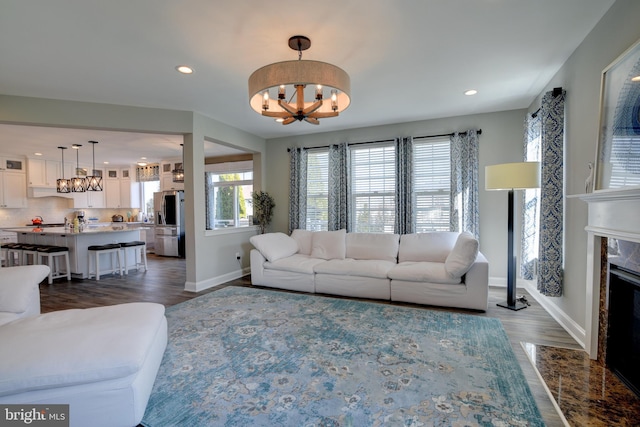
(93, 182)
(63, 185)
(78, 184)
(309, 82)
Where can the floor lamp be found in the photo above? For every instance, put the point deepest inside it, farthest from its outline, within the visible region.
(512, 176)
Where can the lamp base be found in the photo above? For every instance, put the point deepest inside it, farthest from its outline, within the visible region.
(515, 307)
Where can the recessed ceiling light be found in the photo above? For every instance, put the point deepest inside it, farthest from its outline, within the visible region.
(143, 158)
(184, 69)
(635, 79)
(106, 163)
(37, 154)
(470, 92)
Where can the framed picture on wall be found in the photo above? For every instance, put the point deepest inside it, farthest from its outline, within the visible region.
(618, 155)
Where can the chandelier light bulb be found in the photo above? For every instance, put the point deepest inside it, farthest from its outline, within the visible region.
(281, 92)
(265, 100)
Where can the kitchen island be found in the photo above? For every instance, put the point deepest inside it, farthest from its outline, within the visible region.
(78, 241)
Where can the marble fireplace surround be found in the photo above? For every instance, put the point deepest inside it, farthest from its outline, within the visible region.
(611, 214)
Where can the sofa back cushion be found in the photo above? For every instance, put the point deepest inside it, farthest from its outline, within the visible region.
(462, 255)
(432, 247)
(379, 246)
(274, 246)
(304, 239)
(328, 244)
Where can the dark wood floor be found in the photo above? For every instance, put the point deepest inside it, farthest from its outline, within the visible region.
(164, 284)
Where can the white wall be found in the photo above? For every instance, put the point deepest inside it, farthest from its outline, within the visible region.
(580, 77)
(501, 141)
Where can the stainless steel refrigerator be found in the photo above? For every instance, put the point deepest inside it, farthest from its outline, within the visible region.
(168, 207)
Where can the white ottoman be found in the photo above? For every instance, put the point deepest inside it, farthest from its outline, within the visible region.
(101, 361)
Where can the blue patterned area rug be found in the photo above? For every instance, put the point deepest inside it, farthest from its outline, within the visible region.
(250, 357)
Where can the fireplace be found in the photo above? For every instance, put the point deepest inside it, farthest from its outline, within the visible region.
(623, 331)
(612, 214)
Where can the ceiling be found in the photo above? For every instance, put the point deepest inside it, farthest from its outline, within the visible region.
(408, 59)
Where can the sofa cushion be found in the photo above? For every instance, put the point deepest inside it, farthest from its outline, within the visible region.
(329, 244)
(297, 263)
(79, 346)
(433, 247)
(304, 239)
(356, 267)
(18, 285)
(462, 256)
(380, 246)
(274, 246)
(432, 272)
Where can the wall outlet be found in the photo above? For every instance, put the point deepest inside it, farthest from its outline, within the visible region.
(237, 255)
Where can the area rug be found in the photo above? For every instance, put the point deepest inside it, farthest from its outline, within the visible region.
(250, 357)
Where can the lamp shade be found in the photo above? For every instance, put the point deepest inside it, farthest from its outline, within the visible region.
(299, 72)
(512, 176)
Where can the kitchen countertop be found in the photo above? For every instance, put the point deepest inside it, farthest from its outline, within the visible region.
(62, 230)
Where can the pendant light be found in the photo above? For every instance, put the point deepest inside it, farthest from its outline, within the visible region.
(178, 173)
(63, 185)
(77, 183)
(93, 181)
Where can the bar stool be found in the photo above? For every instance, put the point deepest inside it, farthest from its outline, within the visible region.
(51, 253)
(139, 252)
(95, 251)
(29, 254)
(5, 254)
(13, 253)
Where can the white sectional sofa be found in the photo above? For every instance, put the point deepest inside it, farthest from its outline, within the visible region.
(100, 361)
(437, 268)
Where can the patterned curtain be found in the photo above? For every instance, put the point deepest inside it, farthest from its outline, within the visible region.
(464, 182)
(339, 188)
(297, 189)
(148, 173)
(405, 222)
(552, 195)
(531, 202)
(208, 201)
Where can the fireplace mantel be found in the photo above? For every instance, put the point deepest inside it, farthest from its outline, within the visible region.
(611, 214)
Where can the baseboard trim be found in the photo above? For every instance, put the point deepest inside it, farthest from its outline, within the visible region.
(568, 324)
(576, 331)
(215, 281)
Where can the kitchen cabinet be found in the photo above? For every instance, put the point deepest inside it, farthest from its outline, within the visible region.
(13, 183)
(166, 177)
(89, 199)
(120, 191)
(43, 173)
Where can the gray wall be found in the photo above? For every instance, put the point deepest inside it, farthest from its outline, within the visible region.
(580, 76)
(501, 141)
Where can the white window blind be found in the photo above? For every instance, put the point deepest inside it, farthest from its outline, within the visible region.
(317, 190)
(431, 184)
(373, 188)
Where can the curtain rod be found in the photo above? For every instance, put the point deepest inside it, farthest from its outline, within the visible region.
(447, 134)
(557, 91)
(389, 140)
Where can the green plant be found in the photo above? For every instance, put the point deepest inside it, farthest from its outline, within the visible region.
(263, 205)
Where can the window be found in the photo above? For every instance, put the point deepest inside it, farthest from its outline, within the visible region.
(317, 190)
(373, 188)
(228, 188)
(147, 189)
(432, 184)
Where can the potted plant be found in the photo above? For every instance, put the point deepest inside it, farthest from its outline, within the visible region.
(263, 205)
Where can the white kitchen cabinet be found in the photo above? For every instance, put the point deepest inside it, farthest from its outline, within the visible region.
(43, 173)
(13, 183)
(166, 177)
(112, 192)
(9, 163)
(122, 192)
(13, 189)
